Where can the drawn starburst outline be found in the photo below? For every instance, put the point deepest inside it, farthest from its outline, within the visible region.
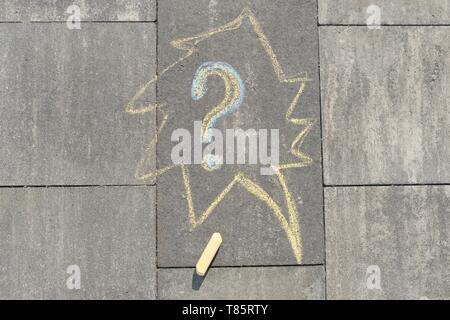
(291, 225)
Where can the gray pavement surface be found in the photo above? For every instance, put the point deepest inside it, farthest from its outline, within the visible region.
(392, 12)
(108, 232)
(81, 187)
(279, 283)
(252, 233)
(401, 230)
(60, 10)
(385, 103)
(63, 98)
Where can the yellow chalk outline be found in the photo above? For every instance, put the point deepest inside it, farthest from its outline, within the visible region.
(291, 226)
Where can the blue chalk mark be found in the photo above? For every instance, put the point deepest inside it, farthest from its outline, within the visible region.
(198, 90)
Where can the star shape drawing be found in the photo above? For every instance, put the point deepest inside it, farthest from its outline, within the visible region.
(288, 221)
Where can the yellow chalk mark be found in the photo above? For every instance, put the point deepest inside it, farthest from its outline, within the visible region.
(149, 152)
(208, 254)
(188, 44)
(307, 124)
(291, 226)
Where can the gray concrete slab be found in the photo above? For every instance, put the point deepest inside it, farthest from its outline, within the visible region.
(385, 105)
(62, 102)
(251, 231)
(416, 12)
(98, 10)
(397, 235)
(108, 232)
(287, 283)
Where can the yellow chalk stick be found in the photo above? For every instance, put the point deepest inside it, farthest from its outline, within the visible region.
(208, 254)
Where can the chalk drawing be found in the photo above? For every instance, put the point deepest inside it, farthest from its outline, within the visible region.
(234, 94)
(291, 224)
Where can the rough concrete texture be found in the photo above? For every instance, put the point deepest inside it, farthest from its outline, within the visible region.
(109, 232)
(416, 12)
(385, 105)
(402, 230)
(64, 129)
(288, 283)
(58, 10)
(251, 233)
(62, 102)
